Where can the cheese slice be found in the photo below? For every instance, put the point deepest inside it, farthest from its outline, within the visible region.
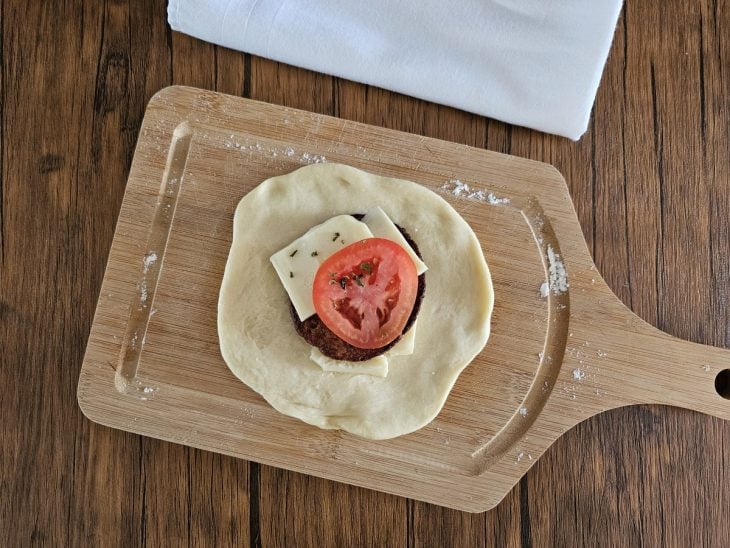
(377, 366)
(298, 262)
(382, 227)
(407, 343)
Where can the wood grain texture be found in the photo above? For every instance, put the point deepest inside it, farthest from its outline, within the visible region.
(152, 364)
(654, 161)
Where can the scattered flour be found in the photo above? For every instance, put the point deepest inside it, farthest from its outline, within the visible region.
(578, 374)
(149, 260)
(544, 290)
(556, 272)
(523, 411)
(492, 199)
(463, 190)
(312, 158)
(304, 158)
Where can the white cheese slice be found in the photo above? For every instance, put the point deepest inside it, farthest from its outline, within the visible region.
(298, 262)
(382, 227)
(407, 343)
(377, 366)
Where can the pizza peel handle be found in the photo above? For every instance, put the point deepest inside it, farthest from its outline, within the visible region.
(606, 356)
(628, 361)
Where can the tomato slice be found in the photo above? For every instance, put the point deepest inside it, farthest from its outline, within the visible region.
(365, 292)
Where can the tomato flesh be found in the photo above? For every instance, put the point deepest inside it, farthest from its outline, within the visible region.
(365, 292)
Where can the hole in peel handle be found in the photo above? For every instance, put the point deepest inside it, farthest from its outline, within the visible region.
(650, 366)
(722, 383)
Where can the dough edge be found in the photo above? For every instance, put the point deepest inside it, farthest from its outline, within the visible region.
(261, 348)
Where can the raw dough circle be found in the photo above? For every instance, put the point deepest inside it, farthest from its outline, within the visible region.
(257, 337)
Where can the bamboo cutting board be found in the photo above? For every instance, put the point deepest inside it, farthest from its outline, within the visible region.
(153, 367)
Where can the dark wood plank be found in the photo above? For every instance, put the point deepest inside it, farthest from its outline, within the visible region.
(290, 86)
(650, 183)
(58, 224)
(438, 526)
(193, 62)
(230, 71)
(298, 510)
(714, 59)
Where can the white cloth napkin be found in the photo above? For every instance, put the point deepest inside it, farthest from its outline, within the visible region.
(535, 63)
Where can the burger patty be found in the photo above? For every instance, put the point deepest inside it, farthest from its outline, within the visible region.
(316, 333)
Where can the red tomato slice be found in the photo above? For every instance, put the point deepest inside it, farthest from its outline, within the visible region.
(366, 291)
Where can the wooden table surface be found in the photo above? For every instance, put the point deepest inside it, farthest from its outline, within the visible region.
(651, 184)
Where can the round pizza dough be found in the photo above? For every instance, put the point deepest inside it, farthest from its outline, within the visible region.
(257, 336)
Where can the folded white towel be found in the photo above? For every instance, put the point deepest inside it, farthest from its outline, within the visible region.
(535, 63)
